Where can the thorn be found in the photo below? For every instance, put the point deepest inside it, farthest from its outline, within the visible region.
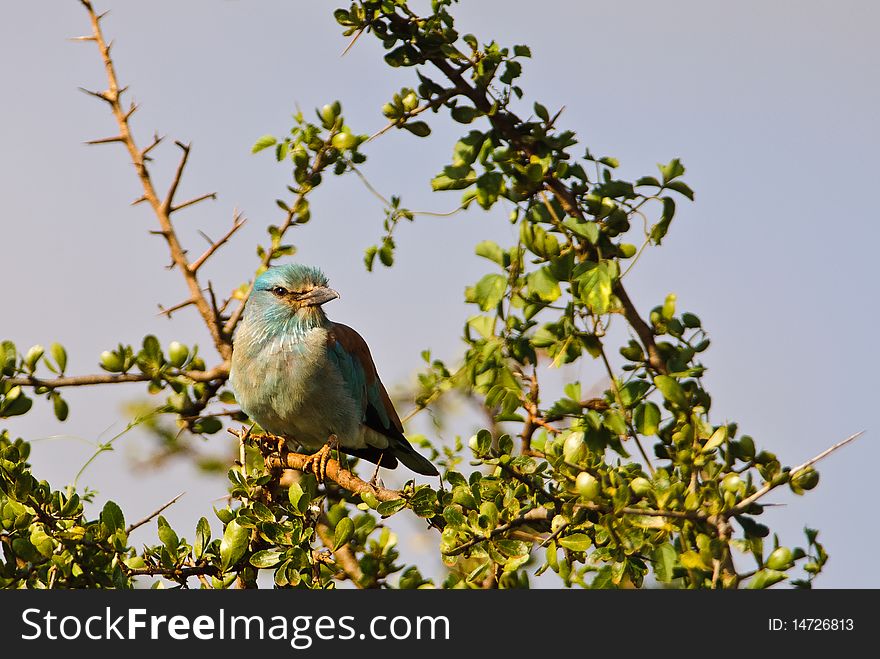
(131, 110)
(170, 310)
(352, 42)
(156, 140)
(101, 15)
(139, 200)
(104, 96)
(206, 237)
(83, 38)
(210, 195)
(106, 140)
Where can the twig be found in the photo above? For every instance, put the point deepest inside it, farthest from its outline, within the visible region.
(237, 223)
(437, 102)
(219, 373)
(177, 307)
(155, 513)
(748, 501)
(534, 515)
(194, 200)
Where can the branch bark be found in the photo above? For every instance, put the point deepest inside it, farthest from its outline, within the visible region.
(218, 373)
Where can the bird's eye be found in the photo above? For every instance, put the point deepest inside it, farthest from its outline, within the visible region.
(279, 291)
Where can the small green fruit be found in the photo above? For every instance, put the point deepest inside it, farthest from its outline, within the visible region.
(410, 102)
(110, 361)
(343, 141)
(587, 486)
(177, 353)
(575, 449)
(731, 482)
(779, 559)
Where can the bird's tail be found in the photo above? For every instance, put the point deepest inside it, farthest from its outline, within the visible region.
(412, 458)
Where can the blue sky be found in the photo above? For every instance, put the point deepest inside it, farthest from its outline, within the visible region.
(771, 106)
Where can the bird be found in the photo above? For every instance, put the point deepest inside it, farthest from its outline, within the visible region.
(303, 377)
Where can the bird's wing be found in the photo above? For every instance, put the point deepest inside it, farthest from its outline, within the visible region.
(359, 371)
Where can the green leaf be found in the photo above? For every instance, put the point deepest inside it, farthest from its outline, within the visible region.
(596, 288)
(588, 230)
(671, 390)
(59, 406)
(112, 517)
(716, 440)
(233, 545)
(489, 291)
(541, 111)
(298, 498)
(766, 578)
(265, 558)
(614, 421)
(203, 538)
(388, 508)
(692, 560)
(490, 250)
(344, 532)
(681, 187)
(42, 541)
(263, 143)
(453, 517)
(417, 128)
(59, 354)
(446, 182)
(658, 231)
(647, 418)
(672, 170)
(664, 560)
(543, 284)
(464, 114)
(576, 542)
(167, 535)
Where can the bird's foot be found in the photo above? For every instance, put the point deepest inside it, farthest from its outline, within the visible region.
(317, 462)
(375, 481)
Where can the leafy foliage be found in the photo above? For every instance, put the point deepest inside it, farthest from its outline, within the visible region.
(553, 486)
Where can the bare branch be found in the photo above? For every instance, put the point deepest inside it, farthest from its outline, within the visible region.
(178, 175)
(743, 505)
(237, 223)
(177, 307)
(192, 202)
(153, 514)
(161, 208)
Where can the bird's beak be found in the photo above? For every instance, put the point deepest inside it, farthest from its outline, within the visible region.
(318, 296)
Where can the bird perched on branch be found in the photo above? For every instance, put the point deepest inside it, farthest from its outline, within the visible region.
(303, 377)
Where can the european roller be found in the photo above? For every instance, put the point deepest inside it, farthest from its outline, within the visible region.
(307, 379)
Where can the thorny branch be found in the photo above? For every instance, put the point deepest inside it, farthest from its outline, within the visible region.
(163, 207)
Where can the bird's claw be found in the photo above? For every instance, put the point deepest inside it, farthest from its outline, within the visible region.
(317, 462)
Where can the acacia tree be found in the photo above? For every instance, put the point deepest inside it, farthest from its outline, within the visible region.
(601, 491)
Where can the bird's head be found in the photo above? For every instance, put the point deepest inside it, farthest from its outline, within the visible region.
(292, 290)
